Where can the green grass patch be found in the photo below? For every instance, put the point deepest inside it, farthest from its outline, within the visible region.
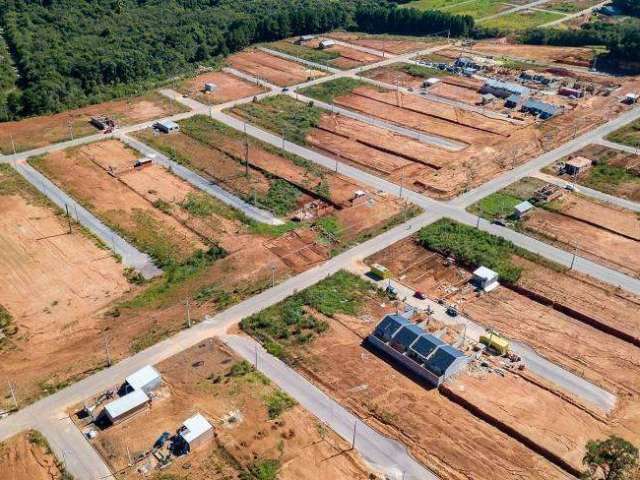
(262, 470)
(422, 71)
(7, 325)
(277, 403)
(328, 91)
(608, 178)
(472, 248)
(322, 57)
(627, 135)
(281, 198)
(12, 183)
(478, 8)
(431, 4)
(521, 20)
(282, 115)
(496, 205)
(287, 323)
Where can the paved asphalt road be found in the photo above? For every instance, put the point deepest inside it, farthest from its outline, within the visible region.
(203, 184)
(574, 15)
(41, 414)
(381, 453)
(131, 256)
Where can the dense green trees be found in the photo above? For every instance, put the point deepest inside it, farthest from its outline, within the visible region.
(73, 52)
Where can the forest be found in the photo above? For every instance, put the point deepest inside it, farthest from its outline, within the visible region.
(61, 54)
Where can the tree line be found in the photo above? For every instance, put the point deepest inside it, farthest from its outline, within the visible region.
(69, 53)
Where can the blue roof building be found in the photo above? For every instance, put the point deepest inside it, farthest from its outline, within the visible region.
(443, 360)
(406, 336)
(503, 89)
(389, 325)
(424, 347)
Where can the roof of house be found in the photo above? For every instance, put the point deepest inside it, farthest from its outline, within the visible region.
(407, 335)
(542, 107)
(510, 87)
(125, 404)
(579, 162)
(168, 124)
(426, 344)
(327, 42)
(442, 359)
(485, 273)
(523, 207)
(513, 98)
(390, 325)
(143, 377)
(194, 427)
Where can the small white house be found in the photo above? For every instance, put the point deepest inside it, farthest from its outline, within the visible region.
(326, 44)
(146, 379)
(196, 431)
(166, 126)
(430, 82)
(485, 279)
(126, 406)
(521, 209)
(210, 87)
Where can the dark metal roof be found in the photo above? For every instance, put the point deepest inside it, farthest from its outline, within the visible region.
(537, 105)
(426, 344)
(389, 326)
(442, 359)
(407, 335)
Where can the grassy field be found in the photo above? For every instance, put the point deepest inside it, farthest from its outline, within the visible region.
(432, 4)
(323, 57)
(282, 115)
(522, 20)
(627, 135)
(328, 91)
(420, 70)
(479, 8)
(568, 6)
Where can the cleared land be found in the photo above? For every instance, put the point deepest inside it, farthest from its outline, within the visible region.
(573, 6)
(53, 284)
(347, 57)
(27, 456)
(615, 172)
(272, 69)
(228, 88)
(479, 8)
(579, 56)
(258, 427)
(522, 20)
(383, 396)
(394, 44)
(40, 131)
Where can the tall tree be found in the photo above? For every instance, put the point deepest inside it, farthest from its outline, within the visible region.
(610, 459)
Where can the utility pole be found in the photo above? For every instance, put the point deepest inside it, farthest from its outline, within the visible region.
(575, 253)
(68, 217)
(246, 152)
(188, 313)
(106, 349)
(71, 128)
(353, 440)
(13, 394)
(401, 182)
(13, 145)
(256, 355)
(478, 223)
(283, 138)
(273, 276)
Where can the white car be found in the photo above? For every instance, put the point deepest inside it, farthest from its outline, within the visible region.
(571, 187)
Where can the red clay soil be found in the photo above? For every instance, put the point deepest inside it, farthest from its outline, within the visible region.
(386, 140)
(229, 87)
(271, 68)
(39, 131)
(442, 435)
(387, 45)
(357, 57)
(604, 303)
(455, 92)
(605, 247)
(563, 55)
(596, 356)
(22, 459)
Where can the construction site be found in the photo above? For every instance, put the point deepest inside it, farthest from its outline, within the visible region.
(605, 233)
(247, 425)
(40, 131)
(393, 44)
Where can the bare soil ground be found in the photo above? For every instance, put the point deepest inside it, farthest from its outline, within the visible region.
(271, 68)
(542, 415)
(199, 381)
(383, 44)
(577, 56)
(618, 220)
(40, 131)
(604, 246)
(349, 57)
(23, 459)
(455, 92)
(53, 284)
(422, 419)
(84, 173)
(608, 305)
(229, 87)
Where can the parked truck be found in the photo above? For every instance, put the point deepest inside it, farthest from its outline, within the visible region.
(495, 342)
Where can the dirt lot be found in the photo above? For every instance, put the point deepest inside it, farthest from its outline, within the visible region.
(39, 131)
(577, 56)
(229, 87)
(349, 57)
(202, 380)
(382, 43)
(53, 283)
(90, 174)
(272, 69)
(601, 245)
(422, 419)
(27, 457)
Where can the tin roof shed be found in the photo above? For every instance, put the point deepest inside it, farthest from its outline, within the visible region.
(126, 404)
(146, 379)
(194, 428)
